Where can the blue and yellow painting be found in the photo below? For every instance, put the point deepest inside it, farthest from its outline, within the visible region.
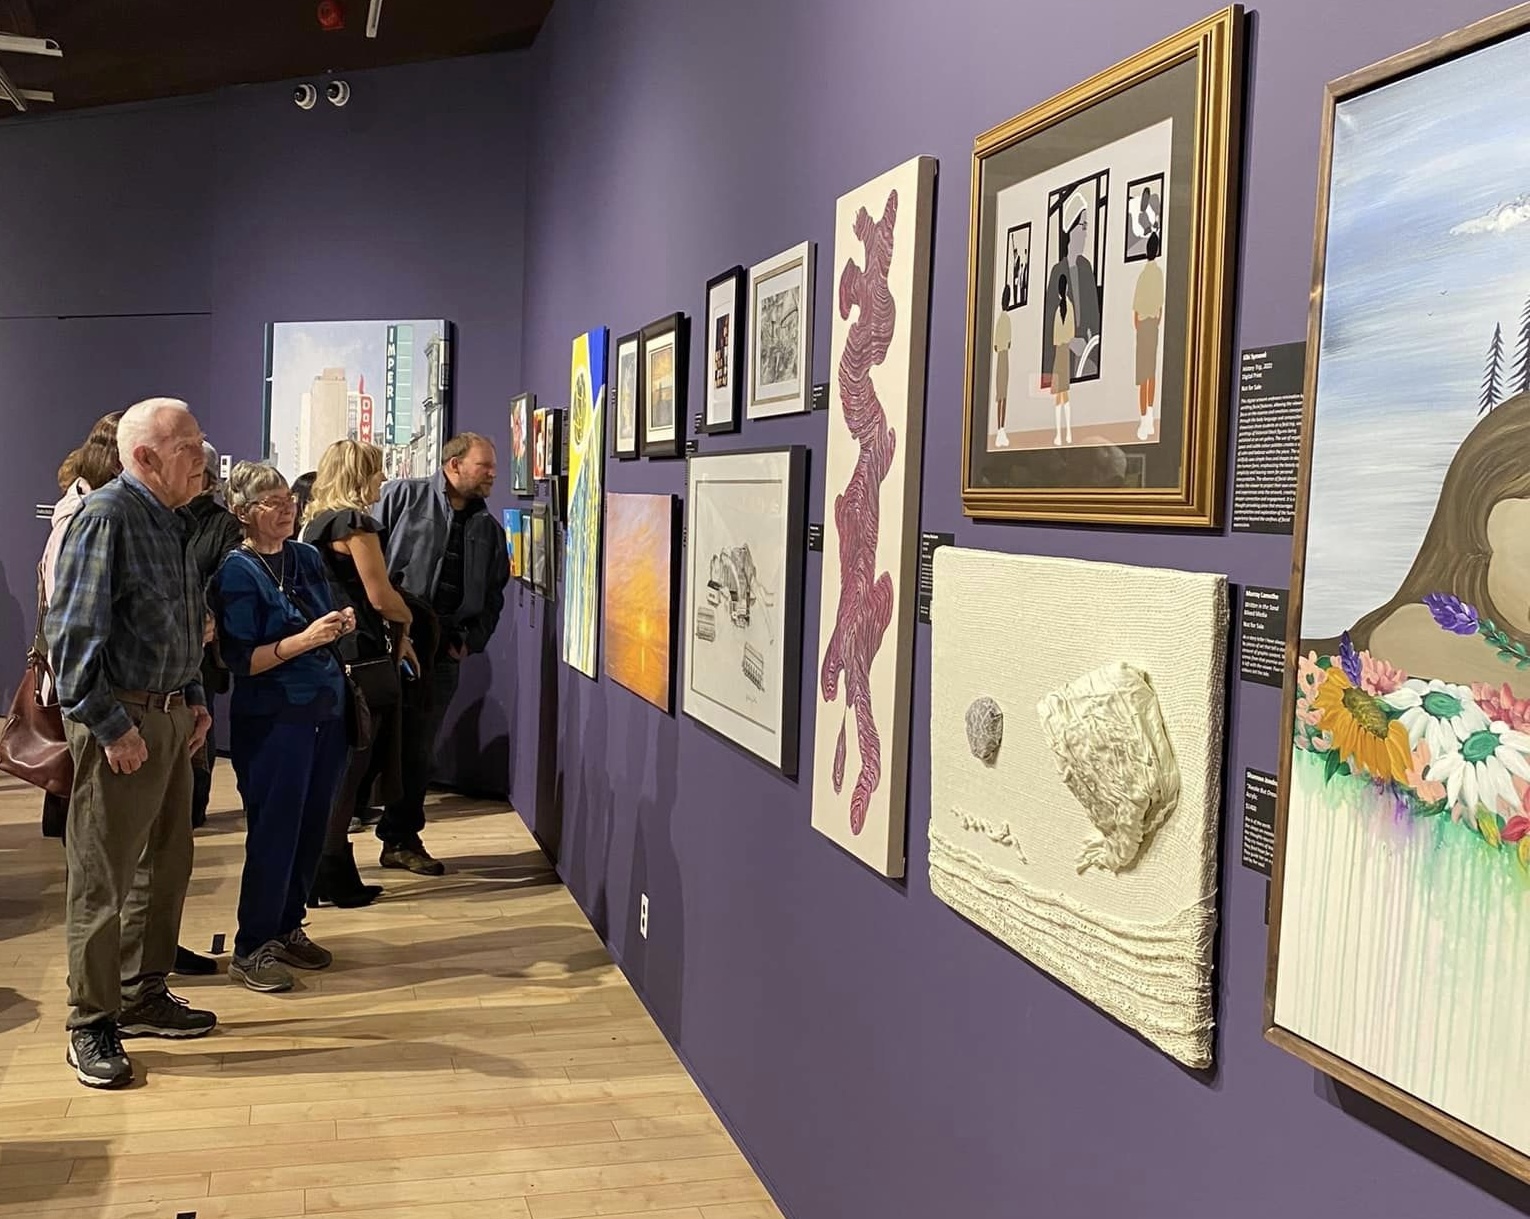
(586, 478)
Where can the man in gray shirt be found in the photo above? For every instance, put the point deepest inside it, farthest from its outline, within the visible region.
(444, 547)
(125, 637)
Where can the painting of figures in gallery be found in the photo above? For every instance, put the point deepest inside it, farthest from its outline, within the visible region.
(639, 619)
(521, 408)
(385, 383)
(1100, 292)
(745, 514)
(1406, 788)
(876, 432)
(781, 333)
(586, 495)
(625, 418)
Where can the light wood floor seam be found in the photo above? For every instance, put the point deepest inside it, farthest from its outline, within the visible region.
(473, 1054)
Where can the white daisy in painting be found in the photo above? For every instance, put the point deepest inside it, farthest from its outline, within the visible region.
(1480, 771)
(1437, 712)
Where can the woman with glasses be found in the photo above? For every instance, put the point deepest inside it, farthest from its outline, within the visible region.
(277, 624)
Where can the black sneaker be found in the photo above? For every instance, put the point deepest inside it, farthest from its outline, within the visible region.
(295, 948)
(193, 964)
(412, 857)
(96, 1054)
(260, 971)
(165, 1015)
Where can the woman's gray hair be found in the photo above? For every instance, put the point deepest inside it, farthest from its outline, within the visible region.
(250, 481)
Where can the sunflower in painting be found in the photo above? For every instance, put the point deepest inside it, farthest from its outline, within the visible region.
(1363, 731)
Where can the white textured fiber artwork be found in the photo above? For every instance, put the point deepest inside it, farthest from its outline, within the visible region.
(1087, 842)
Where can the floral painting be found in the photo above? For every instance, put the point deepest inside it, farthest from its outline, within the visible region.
(1403, 927)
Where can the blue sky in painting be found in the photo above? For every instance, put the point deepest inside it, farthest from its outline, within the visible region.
(1428, 248)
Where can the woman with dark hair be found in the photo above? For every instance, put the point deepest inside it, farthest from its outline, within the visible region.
(302, 490)
(1476, 553)
(1063, 331)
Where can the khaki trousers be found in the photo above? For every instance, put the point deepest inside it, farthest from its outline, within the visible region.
(129, 854)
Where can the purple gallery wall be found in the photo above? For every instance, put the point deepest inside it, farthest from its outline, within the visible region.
(145, 248)
(875, 1054)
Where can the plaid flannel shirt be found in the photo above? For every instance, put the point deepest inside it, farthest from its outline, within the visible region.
(127, 608)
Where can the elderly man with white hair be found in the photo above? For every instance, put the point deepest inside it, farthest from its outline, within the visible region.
(125, 635)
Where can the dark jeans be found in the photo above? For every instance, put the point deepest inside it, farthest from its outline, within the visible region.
(288, 772)
(423, 712)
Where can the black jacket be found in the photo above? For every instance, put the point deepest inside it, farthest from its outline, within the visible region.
(212, 533)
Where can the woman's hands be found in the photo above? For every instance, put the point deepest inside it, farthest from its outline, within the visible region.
(322, 632)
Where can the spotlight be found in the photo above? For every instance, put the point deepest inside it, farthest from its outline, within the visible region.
(305, 97)
(338, 92)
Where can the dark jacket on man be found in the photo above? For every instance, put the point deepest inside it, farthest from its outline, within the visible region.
(212, 533)
(417, 520)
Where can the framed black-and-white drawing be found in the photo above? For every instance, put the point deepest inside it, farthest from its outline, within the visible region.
(1101, 255)
(665, 373)
(781, 333)
(627, 396)
(746, 536)
(724, 337)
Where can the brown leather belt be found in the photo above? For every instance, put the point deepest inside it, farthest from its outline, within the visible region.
(150, 699)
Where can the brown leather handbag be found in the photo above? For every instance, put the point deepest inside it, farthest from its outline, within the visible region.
(32, 743)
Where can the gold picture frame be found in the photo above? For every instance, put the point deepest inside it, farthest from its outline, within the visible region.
(1454, 50)
(1164, 134)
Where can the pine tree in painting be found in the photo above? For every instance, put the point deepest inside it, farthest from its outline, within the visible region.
(1492, 376)
(1519, 378)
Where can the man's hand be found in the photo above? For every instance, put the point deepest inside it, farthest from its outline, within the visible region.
(128, 752)
(201, 724)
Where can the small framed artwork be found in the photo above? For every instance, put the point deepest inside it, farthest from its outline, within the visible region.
(541, 550)
(627, 405)
(1101, 256)
(521, 408)
(546, 443)
(746, 530)
(781, 333)
(666, 376)
(639, 587)
(525, 526)
(724, 378)
(512, 518)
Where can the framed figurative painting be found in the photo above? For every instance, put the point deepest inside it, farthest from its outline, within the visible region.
(627, 412)
(882, 234)
(666, 377)
(746, 531)
(521, 408)
(586, 496)
(387, 383)
(781, 333)
(640, 585)
(724, 336)
(1100, 292)
(1400, 909)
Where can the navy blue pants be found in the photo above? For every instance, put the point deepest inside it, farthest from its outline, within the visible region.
(288, 772)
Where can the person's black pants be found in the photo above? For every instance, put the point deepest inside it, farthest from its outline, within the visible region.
(424, 709)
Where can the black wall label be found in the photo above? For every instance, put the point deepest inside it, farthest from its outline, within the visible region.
(821, 396)
(1269, 439)
(815, 536)
(700, 422)
(690, 447)
(1259, 793)
(1262, 631)
(929, 543)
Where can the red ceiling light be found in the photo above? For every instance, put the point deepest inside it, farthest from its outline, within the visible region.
(331, 14)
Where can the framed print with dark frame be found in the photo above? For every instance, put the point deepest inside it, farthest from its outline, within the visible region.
(627, 396)
(1399, 906)
(521, 408)
(781, 333)
(724, 337)
(1100, 292)
(665, 373)
(542, 577)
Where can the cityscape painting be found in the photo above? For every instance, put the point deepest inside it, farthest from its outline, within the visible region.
(385, 382)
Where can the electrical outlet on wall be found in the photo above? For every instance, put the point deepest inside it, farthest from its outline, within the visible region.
(643, 915)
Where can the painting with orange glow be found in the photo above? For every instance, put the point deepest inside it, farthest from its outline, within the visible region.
(639, 595)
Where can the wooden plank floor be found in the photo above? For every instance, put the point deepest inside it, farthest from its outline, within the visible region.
(472, 1053)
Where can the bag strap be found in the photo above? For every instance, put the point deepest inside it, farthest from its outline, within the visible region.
(39, 648)
(305, 611)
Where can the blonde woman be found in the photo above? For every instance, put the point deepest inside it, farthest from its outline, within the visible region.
(338, 522)
(276, 624)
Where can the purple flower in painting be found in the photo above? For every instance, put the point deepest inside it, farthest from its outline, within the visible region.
(1452, 613)
(1349, 659)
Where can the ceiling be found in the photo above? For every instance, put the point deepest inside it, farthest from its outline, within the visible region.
(134, 50)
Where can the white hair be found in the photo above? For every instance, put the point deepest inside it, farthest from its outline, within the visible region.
(140, 425)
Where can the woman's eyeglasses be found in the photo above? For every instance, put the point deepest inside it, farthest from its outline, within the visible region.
(275, 503)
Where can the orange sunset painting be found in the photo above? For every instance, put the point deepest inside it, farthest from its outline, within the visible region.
(639, 594)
